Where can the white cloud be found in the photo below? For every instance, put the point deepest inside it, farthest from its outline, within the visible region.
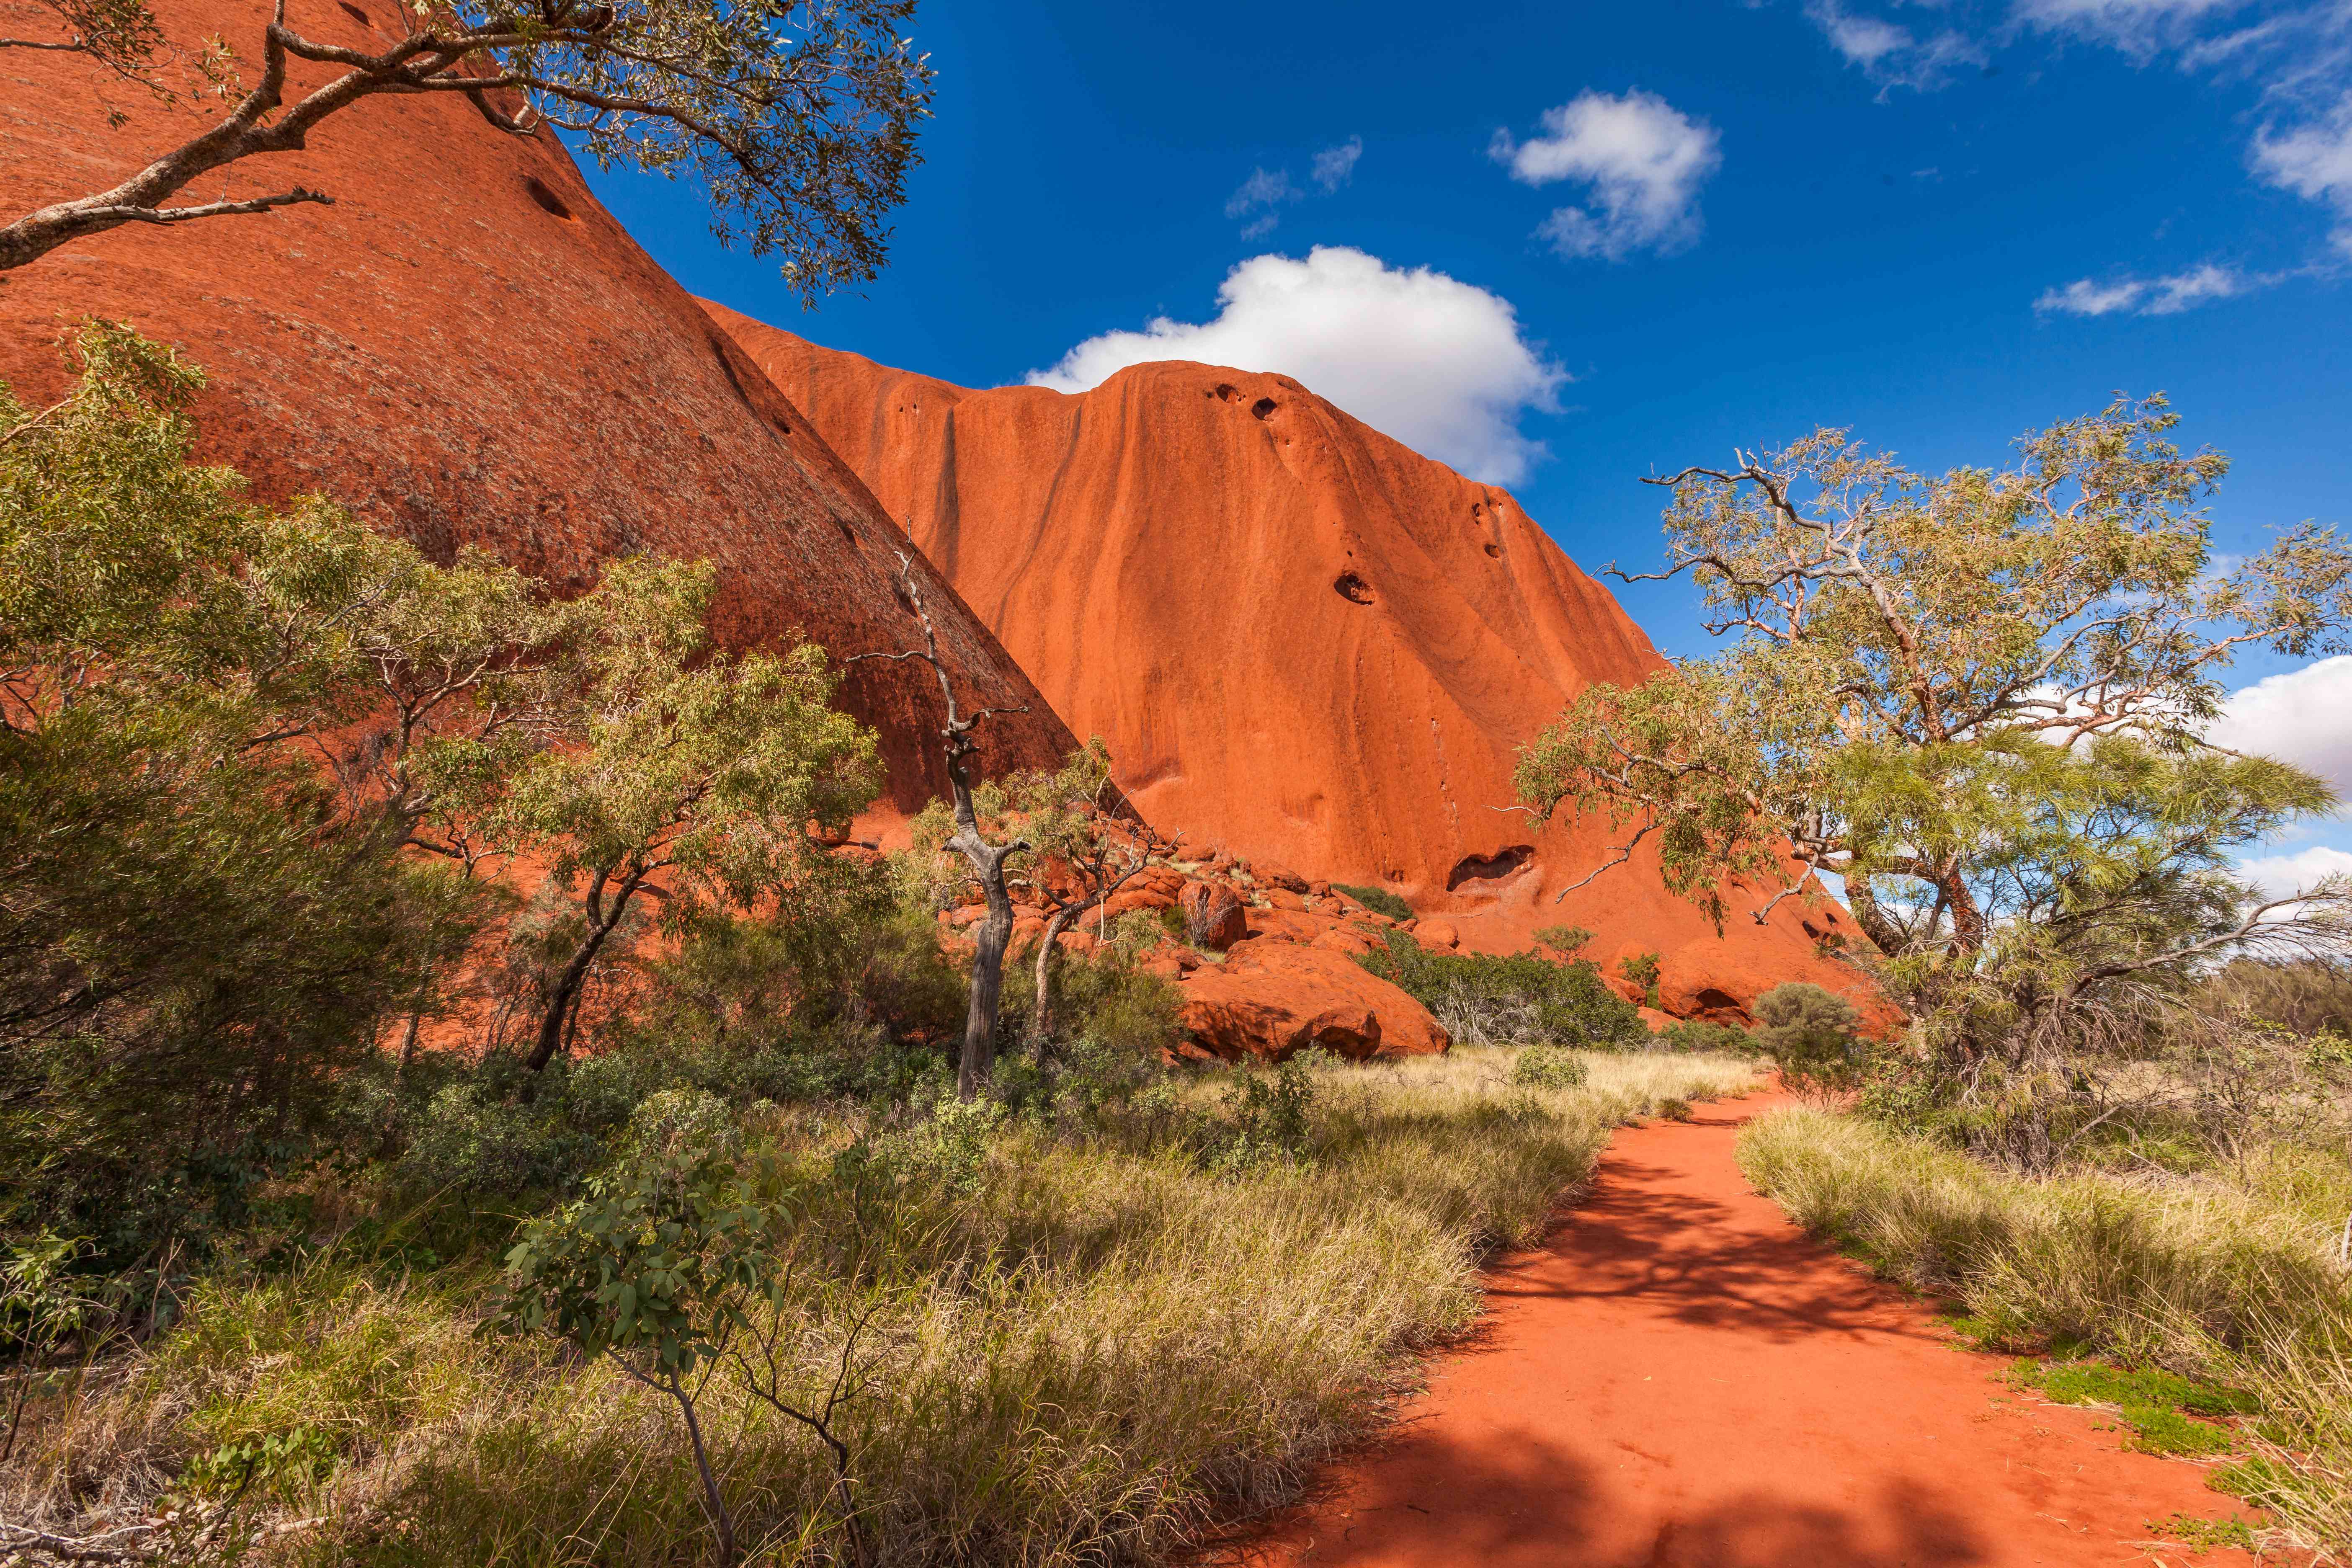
(2152, 295)
(1335, 166)
(2138, 28)
(1644, 161)
(1889, 54)
(1438, 364)
(2279, 875)
(2303, 717)
(2315, 162)
(1264, 194)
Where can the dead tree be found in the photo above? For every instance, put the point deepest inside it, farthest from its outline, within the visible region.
(987, 860)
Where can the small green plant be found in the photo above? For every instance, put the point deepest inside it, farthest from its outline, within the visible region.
(1810, 1032)
(1674, 1110)
(1565, 941)
(1379, 901)
(1549, 1067)
(1642, 969)
(1266, 1117)
(2154, 1405)
(653, 1268)
(285, 1465)
(2206, 1534)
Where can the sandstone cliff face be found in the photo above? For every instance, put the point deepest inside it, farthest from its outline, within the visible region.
(1302, 641)
(467, 348)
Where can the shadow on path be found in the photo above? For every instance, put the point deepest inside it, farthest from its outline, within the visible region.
(1680, 1378)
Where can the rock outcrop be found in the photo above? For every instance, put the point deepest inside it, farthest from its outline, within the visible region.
(1271, 1000)
(468, 348)
(1303, 641)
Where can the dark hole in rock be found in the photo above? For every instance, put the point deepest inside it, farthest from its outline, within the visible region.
(1494, 550)
(1811, 929)
(1830, 915)
(1264, 407)
(538, 193)
(1225, 390)
(1350, 586)
(1487, 867)
(848, 532)
(1713, 1001)
(356, 14)
(900, 593)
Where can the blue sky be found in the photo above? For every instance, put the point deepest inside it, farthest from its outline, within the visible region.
(1938, 224)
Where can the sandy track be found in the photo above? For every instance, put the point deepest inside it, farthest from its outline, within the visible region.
(1680, 1378)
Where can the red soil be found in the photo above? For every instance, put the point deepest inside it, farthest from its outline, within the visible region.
(468, 348)
(1680, 1378)
(1303, 640)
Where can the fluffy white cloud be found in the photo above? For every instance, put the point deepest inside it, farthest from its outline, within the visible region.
(2303, 717)
(2279, 875)
(2150, 296)
(1643, 161)
(1888, 54)
(1438, 364)
(2314, 161)
(1335, 166)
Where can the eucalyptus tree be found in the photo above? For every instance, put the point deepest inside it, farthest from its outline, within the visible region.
(1981, 700)
(797, 117)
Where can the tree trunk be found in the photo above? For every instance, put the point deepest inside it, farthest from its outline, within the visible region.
(566, 994)
(1861, 901)
(995, 932)
(722, 1523)
(1041, 1018)
(1968, 920)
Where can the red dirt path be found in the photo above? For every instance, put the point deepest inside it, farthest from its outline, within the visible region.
(1681, 1378)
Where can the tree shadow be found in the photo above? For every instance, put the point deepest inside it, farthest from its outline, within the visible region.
(1428, 1499)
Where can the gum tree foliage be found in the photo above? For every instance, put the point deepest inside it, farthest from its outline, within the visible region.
(1979, 699)
(689, 775)
(200, 926)
(798, 119)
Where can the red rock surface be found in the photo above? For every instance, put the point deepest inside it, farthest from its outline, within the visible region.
(1302, 641)
(469, 349)
(1273, 999)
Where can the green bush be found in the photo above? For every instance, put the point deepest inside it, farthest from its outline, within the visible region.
(1810, 1032)
(1549, 1067)
(1698, 1034)
(1520, 1000)
(1379, 901)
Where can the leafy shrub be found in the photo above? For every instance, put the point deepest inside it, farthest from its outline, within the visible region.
(1379, 901)
(1265, 1119)
(287, 1464)
(1673, 1109)
(1642, 969)
(1520, 1000)
(1698, 1034)
(1566, 941)
(1810, 1032)
(1549, 1067)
